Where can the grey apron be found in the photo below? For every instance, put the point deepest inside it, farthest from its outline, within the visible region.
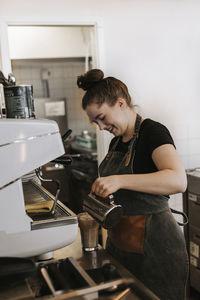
(162, 265)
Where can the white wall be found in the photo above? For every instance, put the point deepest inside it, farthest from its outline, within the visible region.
(152, 45)
(26, 42)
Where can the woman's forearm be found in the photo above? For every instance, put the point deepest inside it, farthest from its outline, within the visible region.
(163, 182)
(169, 179)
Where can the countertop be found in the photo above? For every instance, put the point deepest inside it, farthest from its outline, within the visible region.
(87, 261)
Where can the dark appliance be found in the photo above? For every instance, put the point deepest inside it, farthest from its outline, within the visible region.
(81, 173)
(191, 206)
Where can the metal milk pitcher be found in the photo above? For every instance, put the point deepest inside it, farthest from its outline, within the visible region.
(103, 210)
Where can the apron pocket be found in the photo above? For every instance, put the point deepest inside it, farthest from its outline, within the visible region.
(128, 235)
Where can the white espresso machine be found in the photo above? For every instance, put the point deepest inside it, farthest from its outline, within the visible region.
(26, 145)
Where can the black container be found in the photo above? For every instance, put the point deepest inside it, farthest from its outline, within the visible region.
(19, 101)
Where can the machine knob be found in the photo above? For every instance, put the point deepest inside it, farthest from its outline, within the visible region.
(110, 271)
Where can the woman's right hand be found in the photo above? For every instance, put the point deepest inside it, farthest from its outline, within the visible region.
(105, 186)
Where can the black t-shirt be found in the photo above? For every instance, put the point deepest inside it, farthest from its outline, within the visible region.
(151, 135)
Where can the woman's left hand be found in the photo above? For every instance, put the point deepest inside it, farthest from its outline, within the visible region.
(105, 186)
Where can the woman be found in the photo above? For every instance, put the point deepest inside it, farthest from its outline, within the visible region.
(141, 169)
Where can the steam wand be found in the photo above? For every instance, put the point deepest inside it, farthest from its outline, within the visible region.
(66, 134)
(63, 160)
(38, 173)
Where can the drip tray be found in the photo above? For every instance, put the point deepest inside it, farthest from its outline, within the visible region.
(66, 277)
(35, 194)
(63, 276)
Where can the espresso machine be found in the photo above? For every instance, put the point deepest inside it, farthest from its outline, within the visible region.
(25, 145)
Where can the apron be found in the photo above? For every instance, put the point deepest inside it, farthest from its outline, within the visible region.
(147, 240)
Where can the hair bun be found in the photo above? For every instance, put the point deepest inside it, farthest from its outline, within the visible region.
(90, 78)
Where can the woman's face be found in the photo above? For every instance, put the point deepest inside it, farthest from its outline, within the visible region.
(110, 118)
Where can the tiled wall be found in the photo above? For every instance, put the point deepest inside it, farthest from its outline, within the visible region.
(187, 140)
(62, 84)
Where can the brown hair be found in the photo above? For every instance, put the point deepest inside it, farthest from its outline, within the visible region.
(99, 89)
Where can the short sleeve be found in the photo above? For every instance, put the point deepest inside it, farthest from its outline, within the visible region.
(157, 135)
